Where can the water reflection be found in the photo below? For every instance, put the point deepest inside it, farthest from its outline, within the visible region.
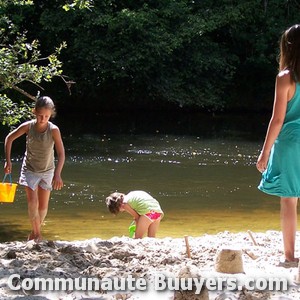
(203, 185)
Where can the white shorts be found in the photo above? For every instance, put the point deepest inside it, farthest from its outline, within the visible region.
(34, 179)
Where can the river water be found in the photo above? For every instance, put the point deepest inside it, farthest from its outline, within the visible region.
(204, 185)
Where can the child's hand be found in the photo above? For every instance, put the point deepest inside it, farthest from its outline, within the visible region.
(262, 162)
(7, 167)
(57, 182)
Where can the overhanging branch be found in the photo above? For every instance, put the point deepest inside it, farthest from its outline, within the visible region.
(24, 93)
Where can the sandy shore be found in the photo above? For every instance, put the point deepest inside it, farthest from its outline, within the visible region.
(144, 260)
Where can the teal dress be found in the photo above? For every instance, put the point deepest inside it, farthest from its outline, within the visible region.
(282, 176)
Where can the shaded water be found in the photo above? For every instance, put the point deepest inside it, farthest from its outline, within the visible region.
(203, 185)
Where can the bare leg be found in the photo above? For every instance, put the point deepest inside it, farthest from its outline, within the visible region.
(288, 214)
(153, 228)
(38, 201)
(33, 213)
(142, 226)
(44, 196)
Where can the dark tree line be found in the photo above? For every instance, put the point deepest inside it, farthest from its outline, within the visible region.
(158, 54)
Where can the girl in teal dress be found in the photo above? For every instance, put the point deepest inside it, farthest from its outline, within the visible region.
(279, 160)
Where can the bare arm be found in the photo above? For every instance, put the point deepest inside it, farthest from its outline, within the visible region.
(283, 92)
(22, 129)
(131, 211)
(60, 151)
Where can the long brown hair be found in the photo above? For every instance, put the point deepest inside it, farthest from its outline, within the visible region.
(289, 58)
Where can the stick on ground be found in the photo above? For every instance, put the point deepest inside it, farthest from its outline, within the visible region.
(188, 251)
(252, 238)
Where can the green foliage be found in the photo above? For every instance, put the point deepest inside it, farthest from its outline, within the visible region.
(201, 53)
(193, 53)
(21, 63)
(81, 4)
(5, 3)
(11, 112)
(159, 51)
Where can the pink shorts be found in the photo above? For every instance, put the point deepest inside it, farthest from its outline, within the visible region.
(153, 215)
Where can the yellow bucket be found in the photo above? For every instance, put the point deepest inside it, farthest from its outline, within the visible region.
(7, 190)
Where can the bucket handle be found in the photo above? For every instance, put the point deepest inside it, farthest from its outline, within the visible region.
(9, 176)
